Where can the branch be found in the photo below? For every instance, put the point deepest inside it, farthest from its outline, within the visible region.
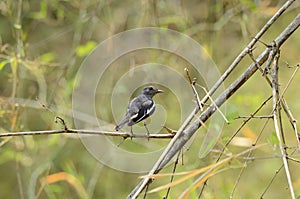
(184, 134)
(286, 108)
(250, 46)
(275, 175)
(88, 132)
(276, 118)
(192, 83)
(212, 101)
(189, 132)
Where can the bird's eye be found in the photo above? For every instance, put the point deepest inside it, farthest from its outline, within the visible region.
(151, 88)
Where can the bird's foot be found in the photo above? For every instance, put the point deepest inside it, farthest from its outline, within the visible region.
(148, 134)
(131, 133)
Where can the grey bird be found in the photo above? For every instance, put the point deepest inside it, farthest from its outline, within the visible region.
(140, 108)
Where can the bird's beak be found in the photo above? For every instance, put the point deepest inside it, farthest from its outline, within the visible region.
(159, 91)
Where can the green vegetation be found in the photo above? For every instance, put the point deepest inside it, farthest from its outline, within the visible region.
(43, 44)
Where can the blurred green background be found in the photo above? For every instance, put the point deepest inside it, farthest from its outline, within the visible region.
(44, 42)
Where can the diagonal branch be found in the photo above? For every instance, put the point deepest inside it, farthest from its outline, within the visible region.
(186, 132)
(249, 47)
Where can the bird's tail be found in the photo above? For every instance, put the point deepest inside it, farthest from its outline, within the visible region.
(122, 123)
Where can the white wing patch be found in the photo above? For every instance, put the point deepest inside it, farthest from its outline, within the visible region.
(151, 109)
(134, 116)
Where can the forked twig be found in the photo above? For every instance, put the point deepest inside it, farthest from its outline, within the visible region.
(192, 83)
(281, 98)
(62, 121)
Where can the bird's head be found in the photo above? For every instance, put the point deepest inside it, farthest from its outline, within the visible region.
(151, 90)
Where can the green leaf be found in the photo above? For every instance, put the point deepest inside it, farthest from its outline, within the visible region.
(273, 139)
(42, 13)
(85, 49)
(232, 114)
(2, 64)
(47, 57)
(17, 26)
(250, 4)
(225, 139)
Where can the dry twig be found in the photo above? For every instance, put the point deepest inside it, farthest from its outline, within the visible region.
(88, 132)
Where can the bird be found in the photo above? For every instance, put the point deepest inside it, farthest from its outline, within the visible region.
(140, 108)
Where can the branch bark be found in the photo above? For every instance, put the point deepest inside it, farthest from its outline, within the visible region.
(87, 132)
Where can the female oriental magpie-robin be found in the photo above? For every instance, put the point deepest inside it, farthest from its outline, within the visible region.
(140, 108)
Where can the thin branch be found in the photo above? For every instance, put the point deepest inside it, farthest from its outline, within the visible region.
(242, 125)
(192, 83)
(172, 176)
(212, 101)
(19, 180)
(285, 107)
(258, 66)
(254, 116)
(284, 104)
(234, 135)
(291, 118)
(273, 178)
(273, 53)
(15, 82)
(87, 132)
(293, 159)
(290, 80)
(276, 117)
(169, 130)
(62, 121)
(248, 158)
(270, 183)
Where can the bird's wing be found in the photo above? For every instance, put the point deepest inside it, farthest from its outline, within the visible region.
(138, 109)
(133, 108)
(131, 113)
(144, 107)
(149, 107)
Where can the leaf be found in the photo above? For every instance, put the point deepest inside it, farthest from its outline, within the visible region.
(17, 26)
(42, 13)
(248, 133)
(207, 171)
(2, 64)
(250, 4)
(273, 139)
(232, 114)
(85, 49)
(73, 181)
(47, 57)
(192, 174)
